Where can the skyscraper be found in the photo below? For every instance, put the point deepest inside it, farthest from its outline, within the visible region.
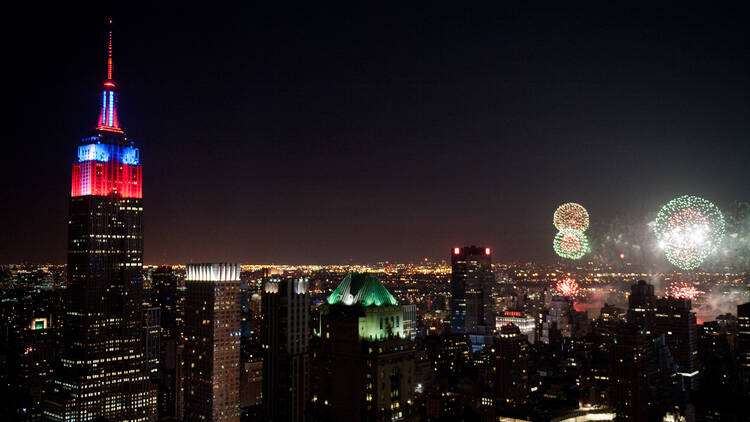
(743, 347)
(285, 334)
(167, 297)
(642, 306)
(365, 367)
(212, 348)
(675, 320)
(471, 284)
(102, 371)
(511, 368)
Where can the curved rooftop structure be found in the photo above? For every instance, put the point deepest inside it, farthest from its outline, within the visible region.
(361, 289)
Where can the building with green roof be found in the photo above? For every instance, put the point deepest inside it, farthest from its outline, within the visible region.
(364, 365)
(380, 315)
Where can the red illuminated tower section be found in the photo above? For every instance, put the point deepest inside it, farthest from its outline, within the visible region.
(101, 371)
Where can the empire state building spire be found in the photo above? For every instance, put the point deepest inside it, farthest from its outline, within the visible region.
(108, 115)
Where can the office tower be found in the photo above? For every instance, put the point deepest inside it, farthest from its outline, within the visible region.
(212, 348)
(410, 320)
(285, 333)
(102, 369)
(642, 306)
(674, 319)
(511, 368)
(743, 346)
(364, 365)
(151, 344)
(471, 284)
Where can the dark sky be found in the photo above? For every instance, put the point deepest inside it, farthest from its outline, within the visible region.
(357, 134)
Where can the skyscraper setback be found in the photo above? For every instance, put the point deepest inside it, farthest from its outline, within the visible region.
(102, 370)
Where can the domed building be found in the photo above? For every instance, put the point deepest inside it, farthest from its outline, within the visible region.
(364, 363)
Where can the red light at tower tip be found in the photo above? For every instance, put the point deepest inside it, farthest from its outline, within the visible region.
(487, 251)
(456, 251)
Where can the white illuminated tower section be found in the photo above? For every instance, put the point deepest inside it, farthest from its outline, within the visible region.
(212, 349)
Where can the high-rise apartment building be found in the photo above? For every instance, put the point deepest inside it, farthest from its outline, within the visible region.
(471, 284)
(101, 371)
(286, 361)
(364, 366)
(212, 348)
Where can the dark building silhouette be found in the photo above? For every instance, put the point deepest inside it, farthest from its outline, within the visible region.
(471, 284)
(364, 366)
(628, 386)
(286, 362)
(102, 370)
(212, 348)
(151, 341)
(674, 319)
(642, 306)
(511, 368)
(743, 347)
(167, 296)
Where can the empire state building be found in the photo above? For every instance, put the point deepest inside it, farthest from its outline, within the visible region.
(101, 371)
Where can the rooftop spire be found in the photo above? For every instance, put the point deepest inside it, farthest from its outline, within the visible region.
(109, 53)
(108, 116)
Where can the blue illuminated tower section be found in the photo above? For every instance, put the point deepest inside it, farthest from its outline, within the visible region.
(101, 371)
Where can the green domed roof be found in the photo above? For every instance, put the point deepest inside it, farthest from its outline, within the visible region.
(361, 289)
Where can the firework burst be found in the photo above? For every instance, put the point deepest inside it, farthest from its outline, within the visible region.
(571, 216)
(689, 229)
(571, 244)
(567, 287)
(680, 290)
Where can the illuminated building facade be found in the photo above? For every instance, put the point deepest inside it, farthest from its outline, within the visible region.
(212, 347)
(526, 324)
(286, 362)
(471, 284)
(102, 370)
(410, 321)
(365, 369)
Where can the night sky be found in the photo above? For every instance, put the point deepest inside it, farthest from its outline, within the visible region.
(350, 134)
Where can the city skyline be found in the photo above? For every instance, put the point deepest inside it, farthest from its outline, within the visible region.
(394, 129)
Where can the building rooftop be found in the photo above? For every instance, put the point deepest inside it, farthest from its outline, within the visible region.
(361, 289)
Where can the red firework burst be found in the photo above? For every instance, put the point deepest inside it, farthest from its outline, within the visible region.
(680, 290)
(567, 287)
